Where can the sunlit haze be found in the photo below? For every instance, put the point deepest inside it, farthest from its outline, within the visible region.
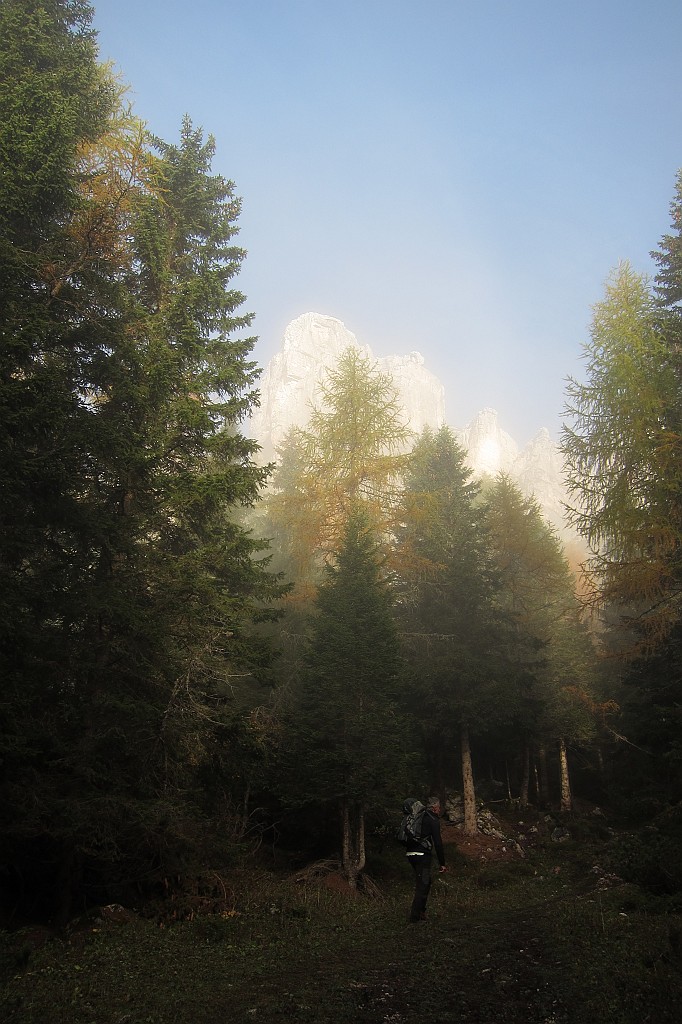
(453, 177)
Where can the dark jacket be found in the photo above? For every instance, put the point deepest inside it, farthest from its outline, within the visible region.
(430, 829)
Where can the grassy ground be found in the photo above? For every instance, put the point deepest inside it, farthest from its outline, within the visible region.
(540, 940)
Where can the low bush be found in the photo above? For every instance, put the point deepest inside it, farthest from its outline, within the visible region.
(649, 859)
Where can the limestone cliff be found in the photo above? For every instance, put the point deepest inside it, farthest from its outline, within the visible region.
(537, 469)
(311, 347)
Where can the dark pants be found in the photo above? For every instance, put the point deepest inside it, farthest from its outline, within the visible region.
(421, 865)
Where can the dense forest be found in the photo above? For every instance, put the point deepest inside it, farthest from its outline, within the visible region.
(199, 655)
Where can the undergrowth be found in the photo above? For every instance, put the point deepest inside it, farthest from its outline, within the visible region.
(536, 940)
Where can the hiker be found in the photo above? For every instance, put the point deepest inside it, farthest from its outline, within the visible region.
(419, 852)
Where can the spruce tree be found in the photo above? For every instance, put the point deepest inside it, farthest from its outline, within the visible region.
(668, 258)
(172, 582)
(129, 587)
(341, 729)
(450, 629)
(54, 100)
(551, 657)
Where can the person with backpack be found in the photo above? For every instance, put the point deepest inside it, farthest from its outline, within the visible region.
(420, 833)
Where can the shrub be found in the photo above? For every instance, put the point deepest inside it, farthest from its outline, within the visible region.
(649, 859)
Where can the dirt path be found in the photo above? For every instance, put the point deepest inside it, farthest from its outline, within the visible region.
(491, 970)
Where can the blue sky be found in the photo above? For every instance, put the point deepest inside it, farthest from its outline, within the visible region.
(453, 177)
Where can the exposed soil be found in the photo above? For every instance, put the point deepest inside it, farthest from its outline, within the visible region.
(480, 847)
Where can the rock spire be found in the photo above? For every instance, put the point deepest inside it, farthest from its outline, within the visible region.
(312, 344)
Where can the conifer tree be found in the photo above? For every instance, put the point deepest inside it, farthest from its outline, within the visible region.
(551, 658)
(129, 588)
(341, 729)
(172, 580)
(668, 258)
(353, 449)
(54, 101)
(653, 688)
(621, 460)
(622, 449)
(449, 626)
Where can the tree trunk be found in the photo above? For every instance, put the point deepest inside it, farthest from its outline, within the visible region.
(535, 779)
(67, 883)
(525, 777)
(566, 801)
(352, 842)
(468, 790)
(361, 840)
(543, 787)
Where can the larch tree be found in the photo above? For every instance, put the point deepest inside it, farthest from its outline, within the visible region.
(652, 694)
(352, 449)
(622, 446)
(621, 458)
(653, 687)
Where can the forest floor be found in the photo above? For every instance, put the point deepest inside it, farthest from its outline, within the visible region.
(521, 930)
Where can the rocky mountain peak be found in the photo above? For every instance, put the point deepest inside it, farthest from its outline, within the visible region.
(490, 450)
(312, 345)
(317, 337)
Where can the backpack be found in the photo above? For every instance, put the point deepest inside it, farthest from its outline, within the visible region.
(410, 828)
